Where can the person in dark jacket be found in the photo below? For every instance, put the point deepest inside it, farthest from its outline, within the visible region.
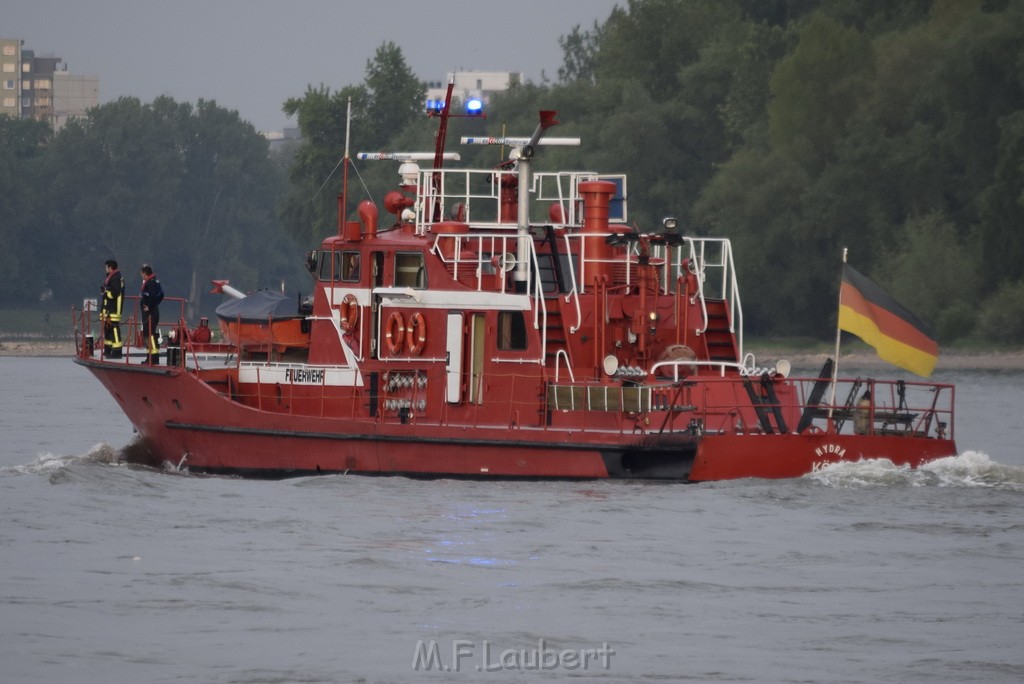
(112, 302)
(152, 295)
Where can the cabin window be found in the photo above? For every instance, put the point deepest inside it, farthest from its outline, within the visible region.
(410, 270)
(330, 266)
(350, 267)
(511, 331)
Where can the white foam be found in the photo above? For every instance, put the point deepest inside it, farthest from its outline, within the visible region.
(47, 463)
(969, 469)
(974, 469)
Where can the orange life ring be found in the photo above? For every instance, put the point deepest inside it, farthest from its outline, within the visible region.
(349, 310)
(416, 333)
(394, 333)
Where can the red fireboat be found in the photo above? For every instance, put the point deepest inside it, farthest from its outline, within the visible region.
(506, 323)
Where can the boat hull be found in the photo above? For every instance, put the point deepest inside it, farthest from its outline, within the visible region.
(185, 422)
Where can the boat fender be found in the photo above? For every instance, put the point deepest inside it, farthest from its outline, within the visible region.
(349, 311)
(394, 333)
(416, 333)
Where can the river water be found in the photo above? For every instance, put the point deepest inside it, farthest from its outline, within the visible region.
(860, 573)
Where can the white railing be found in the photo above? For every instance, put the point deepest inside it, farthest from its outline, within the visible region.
(477, 192)
(490, 255)
(473, 196)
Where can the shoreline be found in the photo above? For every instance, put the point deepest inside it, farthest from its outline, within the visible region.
(766, 357)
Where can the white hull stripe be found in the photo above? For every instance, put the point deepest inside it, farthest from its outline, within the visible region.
(299, 375)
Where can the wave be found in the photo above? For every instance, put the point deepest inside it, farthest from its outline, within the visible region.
(969, 469)
(47, 464)
(60, 469)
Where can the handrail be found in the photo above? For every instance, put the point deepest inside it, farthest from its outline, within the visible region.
(568, 366)
(574, 292)
(534, 286)
(927, 412)
(130, 323)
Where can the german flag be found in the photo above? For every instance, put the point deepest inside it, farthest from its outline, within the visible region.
(897, 335)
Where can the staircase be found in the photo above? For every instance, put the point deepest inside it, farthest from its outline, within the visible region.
(555, 330)
(719, 340)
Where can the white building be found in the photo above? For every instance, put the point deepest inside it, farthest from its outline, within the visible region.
(73, 96)
(479, 84)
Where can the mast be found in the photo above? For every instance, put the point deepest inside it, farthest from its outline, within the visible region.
(835, 366)
(343, 197)
(442, 128)
(526, 152)
(439, 145)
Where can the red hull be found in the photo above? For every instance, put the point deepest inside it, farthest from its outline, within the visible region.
(728, 457)
(185, 422)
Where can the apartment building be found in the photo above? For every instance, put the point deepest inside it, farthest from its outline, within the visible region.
(38, 86)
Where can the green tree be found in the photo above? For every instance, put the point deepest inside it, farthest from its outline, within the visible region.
(114, 178)
(388, 100)
(21, 147)
(190, 189)
(309, 209)
(225, 211)
(816, 89)
(1002, 317)
(395, 97)
(579, 49)
(1000, 233)
(925, 270)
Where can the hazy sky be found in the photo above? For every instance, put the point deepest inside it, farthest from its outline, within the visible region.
(252, 55)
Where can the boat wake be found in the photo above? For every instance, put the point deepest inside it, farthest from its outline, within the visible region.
(47, 464)
(969, 469)
(56, 467)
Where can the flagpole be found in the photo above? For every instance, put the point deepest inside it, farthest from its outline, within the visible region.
(835, 366)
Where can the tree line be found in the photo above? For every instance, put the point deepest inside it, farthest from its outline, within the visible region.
(190, 189)
(797, 128)
(793, 127)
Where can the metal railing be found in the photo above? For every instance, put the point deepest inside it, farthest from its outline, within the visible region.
(88, 326)
(718, 404)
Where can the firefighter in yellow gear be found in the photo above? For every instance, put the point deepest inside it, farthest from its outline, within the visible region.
(112, 294)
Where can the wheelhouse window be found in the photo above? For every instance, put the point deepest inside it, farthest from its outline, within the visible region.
(511, 331)
(410, 270)
(330, 266)
(350, 267)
